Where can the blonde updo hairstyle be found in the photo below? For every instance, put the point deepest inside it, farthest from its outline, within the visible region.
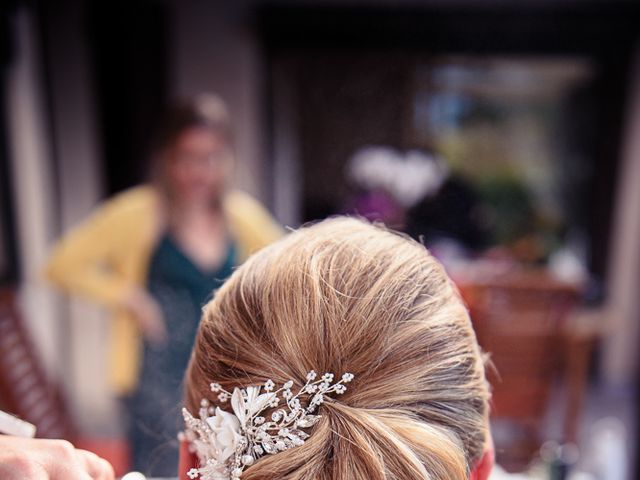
(346, 296)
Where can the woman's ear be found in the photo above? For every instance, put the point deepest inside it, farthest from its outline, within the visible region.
(188, 461)
(482, 469)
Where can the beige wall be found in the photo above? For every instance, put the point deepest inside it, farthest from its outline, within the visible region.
(79, 190)
(29, 150)
(70, 335)
(621, 343)
(214, 50)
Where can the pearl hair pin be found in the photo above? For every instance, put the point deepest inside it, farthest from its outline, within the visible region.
(226, 443)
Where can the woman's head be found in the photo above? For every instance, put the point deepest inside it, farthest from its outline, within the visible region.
(192, 149)
(346, 296)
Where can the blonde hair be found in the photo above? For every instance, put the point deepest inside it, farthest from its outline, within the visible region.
(346, 296)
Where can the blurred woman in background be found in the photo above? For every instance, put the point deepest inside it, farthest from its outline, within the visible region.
(153, 255)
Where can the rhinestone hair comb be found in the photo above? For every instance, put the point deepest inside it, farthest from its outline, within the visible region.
(226, 443)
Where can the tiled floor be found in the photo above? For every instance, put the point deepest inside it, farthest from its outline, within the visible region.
(608, 431)
(607, 437)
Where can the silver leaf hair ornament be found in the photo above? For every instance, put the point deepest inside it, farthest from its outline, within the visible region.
(226, 443)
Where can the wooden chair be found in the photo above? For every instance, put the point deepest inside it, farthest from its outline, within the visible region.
(26, 392)
(25, 389)
(520, 320)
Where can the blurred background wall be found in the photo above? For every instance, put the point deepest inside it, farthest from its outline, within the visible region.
(308, 83)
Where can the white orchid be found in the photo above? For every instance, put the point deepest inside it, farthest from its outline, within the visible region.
(226, 433)
(408, 177)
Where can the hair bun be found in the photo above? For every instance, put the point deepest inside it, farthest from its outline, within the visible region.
(392, 443)
(346, 296)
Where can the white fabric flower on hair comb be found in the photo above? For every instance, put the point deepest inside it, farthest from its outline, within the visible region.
(226, 443)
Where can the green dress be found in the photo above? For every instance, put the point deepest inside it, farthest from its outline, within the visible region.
(181, 289)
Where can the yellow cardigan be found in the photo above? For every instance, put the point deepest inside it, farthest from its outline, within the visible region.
(105, 257)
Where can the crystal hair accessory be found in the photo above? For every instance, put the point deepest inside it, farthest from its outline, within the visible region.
(226, 443)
